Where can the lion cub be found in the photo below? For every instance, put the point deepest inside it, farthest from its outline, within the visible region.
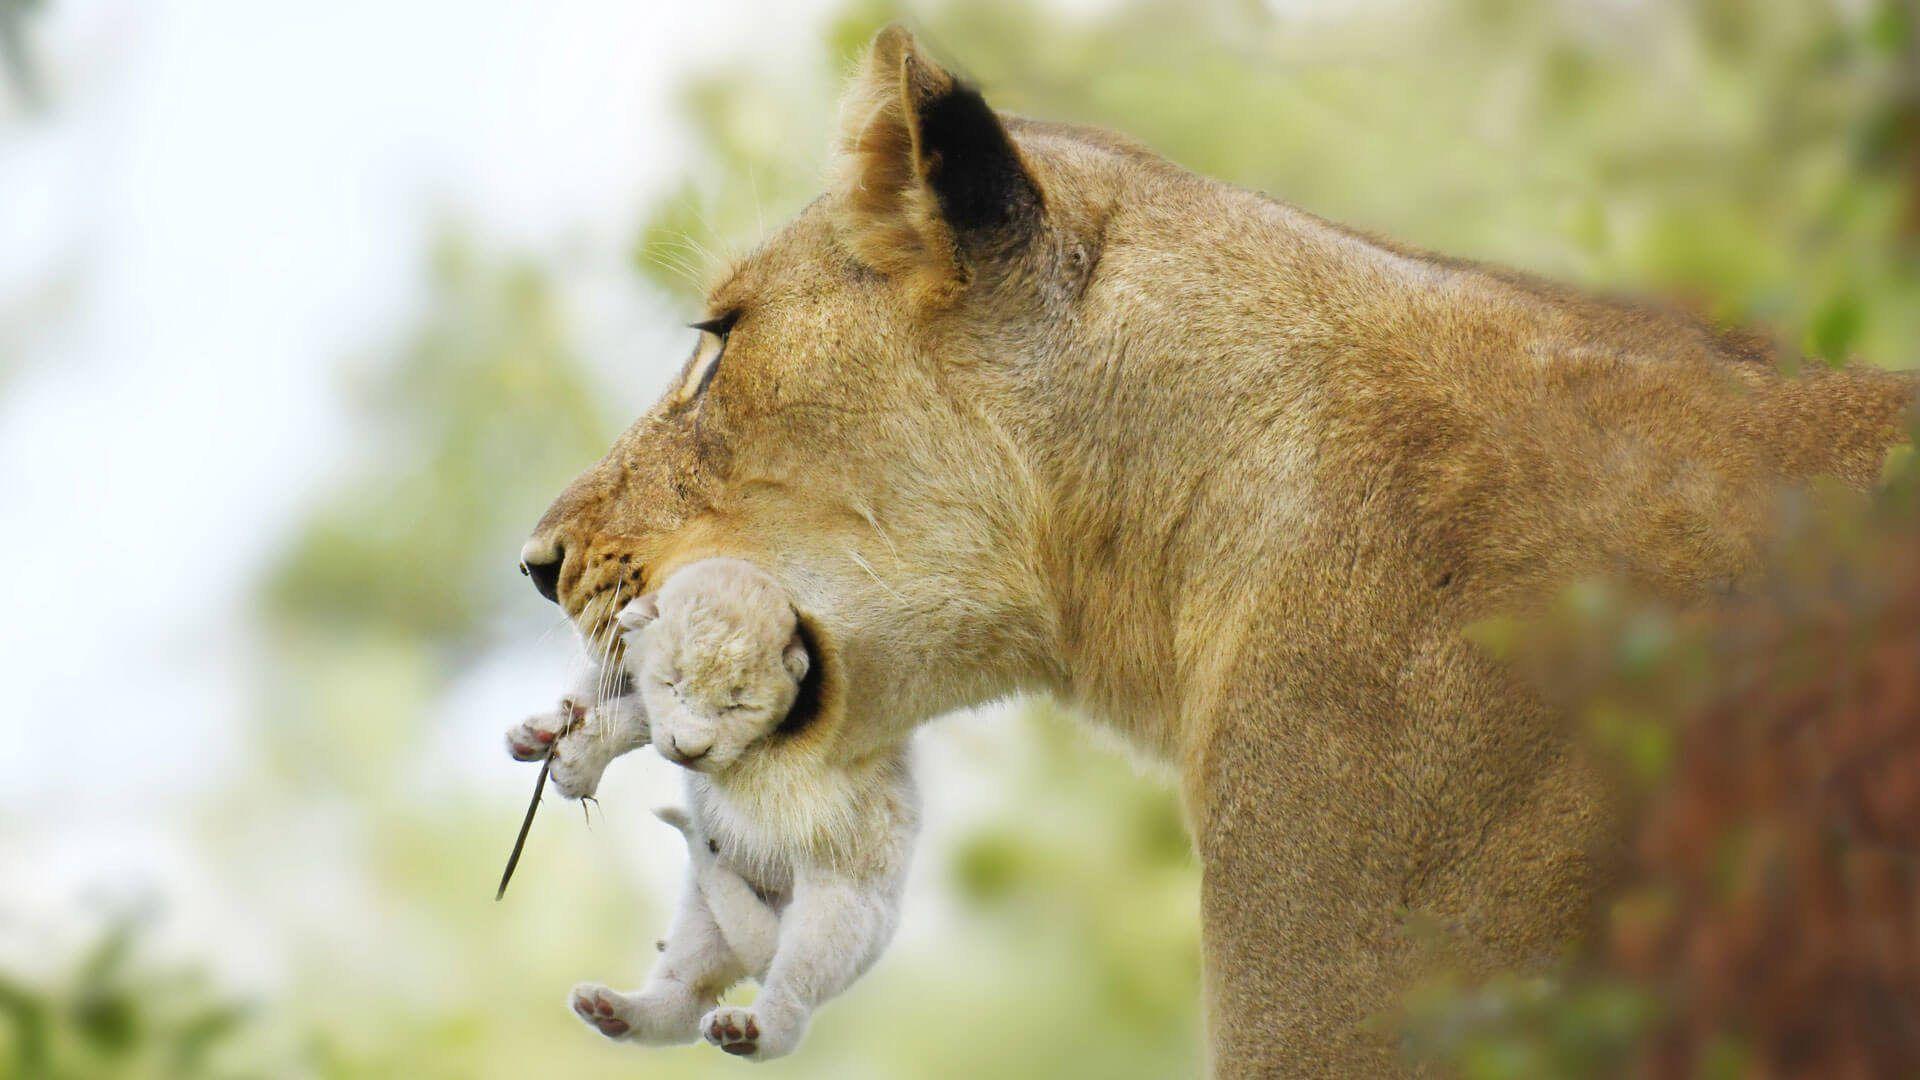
(720, 661)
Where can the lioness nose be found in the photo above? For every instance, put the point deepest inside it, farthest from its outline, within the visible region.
(540, 560)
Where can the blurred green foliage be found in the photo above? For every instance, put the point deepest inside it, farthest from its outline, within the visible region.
(1516, 1026)
(16, 57)
(115, 1013)
(1768, 750)
(480, 413)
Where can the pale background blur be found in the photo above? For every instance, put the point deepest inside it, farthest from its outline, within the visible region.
(306, 312)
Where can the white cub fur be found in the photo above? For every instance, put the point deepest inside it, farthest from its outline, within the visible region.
(720, 660)
(582, 733)
(719, 671)
(747, 924)
(804, 927)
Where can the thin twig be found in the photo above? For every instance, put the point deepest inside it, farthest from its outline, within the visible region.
(520, 842)
(539, 787)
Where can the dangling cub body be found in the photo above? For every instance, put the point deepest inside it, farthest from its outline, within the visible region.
(804, 930)
(718, 660)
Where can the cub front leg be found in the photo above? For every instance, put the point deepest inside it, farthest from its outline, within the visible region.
(608, 730)
(582, 734)
(533, 738)
(830, 935)
(613, 726)
(694, 968)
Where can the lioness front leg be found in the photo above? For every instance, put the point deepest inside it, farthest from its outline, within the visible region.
(686, 982)
(829, 935)
(1322, 842)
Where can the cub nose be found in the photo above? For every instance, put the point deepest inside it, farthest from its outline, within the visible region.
(688, 752)
(540, 560)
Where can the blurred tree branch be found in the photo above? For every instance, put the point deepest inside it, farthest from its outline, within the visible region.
(14, 54)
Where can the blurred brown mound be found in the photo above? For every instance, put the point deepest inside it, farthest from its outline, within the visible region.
(1769, 919)
(1776, 910)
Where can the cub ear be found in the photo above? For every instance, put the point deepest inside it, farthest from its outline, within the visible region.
(930, 183)
(639, 611)
(794, 658)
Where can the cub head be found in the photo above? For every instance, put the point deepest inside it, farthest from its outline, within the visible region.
(720, 663)
(858, 409)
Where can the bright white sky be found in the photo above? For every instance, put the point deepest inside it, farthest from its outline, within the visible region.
(228, 199)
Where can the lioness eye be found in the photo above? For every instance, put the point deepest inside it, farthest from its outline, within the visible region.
(706, 358)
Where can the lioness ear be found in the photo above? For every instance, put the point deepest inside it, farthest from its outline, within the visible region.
(931, 184)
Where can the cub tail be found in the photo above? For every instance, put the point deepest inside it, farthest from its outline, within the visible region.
(674, 816)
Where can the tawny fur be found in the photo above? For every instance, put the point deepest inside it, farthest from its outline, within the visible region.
(1233, 480)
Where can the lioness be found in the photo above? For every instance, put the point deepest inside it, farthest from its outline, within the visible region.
(1018, 406)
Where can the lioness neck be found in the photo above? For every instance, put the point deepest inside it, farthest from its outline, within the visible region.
(1246, 393)
(1176, 421)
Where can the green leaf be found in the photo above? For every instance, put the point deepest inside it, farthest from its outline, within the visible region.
(1837, 328)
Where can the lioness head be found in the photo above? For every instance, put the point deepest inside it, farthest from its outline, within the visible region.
(853, 416)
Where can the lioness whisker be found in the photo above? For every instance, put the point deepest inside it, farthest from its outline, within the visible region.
(609, 629)
(559, 620)
(678, 268)
(866, 513)
(861, 562)
(759, 216)
(597, 642)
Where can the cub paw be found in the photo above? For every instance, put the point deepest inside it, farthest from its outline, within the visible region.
(530, 739)
(733, 1029)
(533, 738)
(607, 1011)
(579, 760)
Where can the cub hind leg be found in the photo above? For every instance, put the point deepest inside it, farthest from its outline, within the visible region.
(694, 968)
